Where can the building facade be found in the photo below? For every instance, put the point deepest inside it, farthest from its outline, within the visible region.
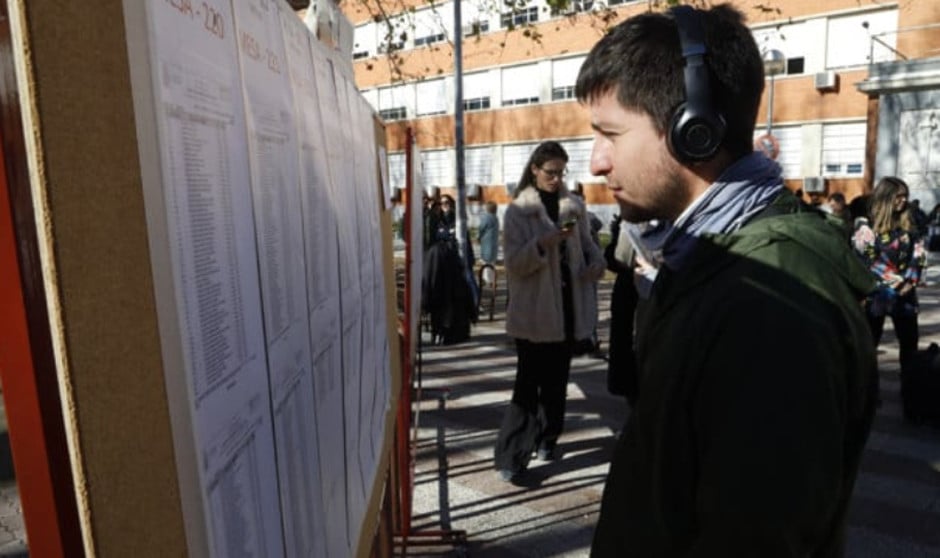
(856, 97)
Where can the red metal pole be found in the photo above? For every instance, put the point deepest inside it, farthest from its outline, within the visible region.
(21, 396)
(405, 460)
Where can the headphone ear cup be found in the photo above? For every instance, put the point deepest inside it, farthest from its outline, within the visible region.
(695, 135)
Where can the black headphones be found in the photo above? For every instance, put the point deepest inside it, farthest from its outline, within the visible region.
(697, 129)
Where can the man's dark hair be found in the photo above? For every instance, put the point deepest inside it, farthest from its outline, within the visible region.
(641, 60)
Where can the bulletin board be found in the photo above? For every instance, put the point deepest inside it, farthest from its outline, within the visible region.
(266, 204)
(222, 287)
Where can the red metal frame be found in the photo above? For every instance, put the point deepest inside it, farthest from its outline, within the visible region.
(21, 397)
(407, 433)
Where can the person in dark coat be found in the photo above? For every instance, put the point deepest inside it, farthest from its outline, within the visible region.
(621, 358)
(738, 444)
(447, 297)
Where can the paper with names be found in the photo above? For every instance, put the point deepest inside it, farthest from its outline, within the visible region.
(324, 135)
(322, 280)
(339, 131)
(380, 398)
(202, 137)
(373, 309)
(275, 174)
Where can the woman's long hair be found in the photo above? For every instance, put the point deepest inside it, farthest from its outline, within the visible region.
(883, 217)
(546, 151)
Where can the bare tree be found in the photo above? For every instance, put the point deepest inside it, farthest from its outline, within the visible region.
(399, 20)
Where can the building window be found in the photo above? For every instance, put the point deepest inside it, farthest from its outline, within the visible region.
(478, 103)
(520, 101)
(365, 41)
(790, 140)
(564, 76)
(391, 47)
(476, 28)
(579, 160)
(521, 85)
(795, 65)
(396, 170)
(562, 93)
(790, 39)
(432, 97)
(437, 168)
(573, 7)
(520, 17)
(514, 159)
(843, 149)
(396, 102)
(428, 27)
(429, 39)
(478, 165)
(849, 38)
(477, 90)
(390, 33)
(397, 113)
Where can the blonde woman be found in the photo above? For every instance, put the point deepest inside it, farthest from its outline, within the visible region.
(893, 251)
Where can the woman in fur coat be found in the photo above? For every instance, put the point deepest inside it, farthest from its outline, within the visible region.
(551, 265)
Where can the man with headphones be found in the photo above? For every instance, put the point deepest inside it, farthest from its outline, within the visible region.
(757, 375)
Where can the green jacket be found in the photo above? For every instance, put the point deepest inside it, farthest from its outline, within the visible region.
(756, 395)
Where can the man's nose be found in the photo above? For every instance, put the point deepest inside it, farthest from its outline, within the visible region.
(600, 161)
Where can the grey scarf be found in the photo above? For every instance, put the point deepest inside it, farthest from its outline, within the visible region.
(742, 191)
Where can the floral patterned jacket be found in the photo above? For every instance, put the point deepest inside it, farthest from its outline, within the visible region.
(893, 257)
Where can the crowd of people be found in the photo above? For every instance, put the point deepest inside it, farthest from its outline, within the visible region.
(735, 444)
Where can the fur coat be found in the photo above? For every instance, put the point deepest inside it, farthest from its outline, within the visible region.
(535, 310)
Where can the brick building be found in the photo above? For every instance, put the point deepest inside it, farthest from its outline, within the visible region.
(857, 97)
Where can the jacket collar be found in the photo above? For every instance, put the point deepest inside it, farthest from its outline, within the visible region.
(529, 203)
(784, 219)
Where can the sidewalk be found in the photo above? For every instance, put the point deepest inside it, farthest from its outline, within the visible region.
(895, 512)
(12, 530)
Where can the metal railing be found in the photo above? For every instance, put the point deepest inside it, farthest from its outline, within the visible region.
(908, 43)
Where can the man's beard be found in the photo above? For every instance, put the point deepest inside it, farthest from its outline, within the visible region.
(666, 203)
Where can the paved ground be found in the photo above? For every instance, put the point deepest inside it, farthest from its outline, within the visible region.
(12, 531)
(895, 511)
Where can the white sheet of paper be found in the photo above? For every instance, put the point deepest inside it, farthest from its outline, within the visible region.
(202, 139)
(328, 362)
(345, 183)
(367, 203)
(275, 176)
(320, 253)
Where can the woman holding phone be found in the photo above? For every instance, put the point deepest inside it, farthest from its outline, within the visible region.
(551, 263)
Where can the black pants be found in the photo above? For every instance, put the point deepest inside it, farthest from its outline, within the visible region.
(905, 328)
(536, 415)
